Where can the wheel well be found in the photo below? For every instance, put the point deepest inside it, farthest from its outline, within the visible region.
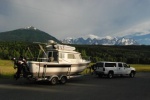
(62, 76)
(111, 72)
(133, 71)
(53, 77)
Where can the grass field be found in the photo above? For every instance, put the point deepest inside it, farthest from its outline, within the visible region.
(7, 70)
(141, 68)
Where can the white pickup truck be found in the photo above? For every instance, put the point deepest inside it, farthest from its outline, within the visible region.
(111, 69)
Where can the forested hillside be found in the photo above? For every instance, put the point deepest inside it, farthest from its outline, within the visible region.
(129, 54)
(26, 35)
(8, 50)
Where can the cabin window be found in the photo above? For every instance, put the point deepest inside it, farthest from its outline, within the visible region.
(71, 56)
(53, 54)
(77, 56)
(61, 55)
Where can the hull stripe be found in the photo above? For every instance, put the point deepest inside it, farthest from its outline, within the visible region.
(57, 66)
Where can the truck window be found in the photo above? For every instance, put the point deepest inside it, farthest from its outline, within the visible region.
(110, 64)
(120, 65)
(99, 65)
(125, 65)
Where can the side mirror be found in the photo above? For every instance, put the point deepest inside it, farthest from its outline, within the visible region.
(129, 66)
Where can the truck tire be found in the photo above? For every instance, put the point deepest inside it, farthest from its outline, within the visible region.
(54, 80)
(63, 80)
(110, 75)
(132, 74)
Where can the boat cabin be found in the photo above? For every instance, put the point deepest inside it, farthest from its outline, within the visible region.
(61, 53)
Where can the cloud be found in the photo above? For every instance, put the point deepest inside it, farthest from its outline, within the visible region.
(74, 18)
(142, 28)
(92, 36)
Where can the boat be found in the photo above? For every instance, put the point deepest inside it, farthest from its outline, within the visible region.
(59, 63)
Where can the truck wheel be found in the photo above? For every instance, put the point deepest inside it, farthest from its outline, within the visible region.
(110, 75)
(132, 74)
(63, 80)
(54, 80)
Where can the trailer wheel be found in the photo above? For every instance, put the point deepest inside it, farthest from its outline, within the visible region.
(54, 80)
(63, 80)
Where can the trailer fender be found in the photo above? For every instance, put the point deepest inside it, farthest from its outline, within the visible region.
(53, 77)
(62, 76)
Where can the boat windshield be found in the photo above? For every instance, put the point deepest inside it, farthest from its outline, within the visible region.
(53, 54)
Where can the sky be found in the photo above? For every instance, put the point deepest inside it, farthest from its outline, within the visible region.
(77, 18)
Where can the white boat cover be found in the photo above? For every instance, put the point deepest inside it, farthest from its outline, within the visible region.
(61, 47)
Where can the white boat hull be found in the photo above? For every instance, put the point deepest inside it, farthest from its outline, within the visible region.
(42, 69)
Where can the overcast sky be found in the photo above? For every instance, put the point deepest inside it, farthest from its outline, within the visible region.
(76, 18)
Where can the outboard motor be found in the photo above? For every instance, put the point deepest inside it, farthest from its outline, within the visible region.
(22, 68)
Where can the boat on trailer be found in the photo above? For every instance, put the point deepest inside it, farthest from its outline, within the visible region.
(59, 63)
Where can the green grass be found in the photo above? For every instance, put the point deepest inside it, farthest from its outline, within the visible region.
(6, 69)
(141, 68)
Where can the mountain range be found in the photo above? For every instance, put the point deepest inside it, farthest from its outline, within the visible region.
(134, 39)
(143, 39)
(103, 41)
(32, 34)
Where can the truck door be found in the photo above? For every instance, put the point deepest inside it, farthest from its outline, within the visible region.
(120, 68)
(126, 69)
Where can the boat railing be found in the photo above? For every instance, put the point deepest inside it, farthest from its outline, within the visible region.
(38, 59)
(84, 59)
(42, 59)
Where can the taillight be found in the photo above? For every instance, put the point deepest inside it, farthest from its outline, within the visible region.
(103, 69)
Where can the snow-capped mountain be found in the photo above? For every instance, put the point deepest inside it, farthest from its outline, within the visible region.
(126, 41)
(103, 41)
(30, 28)
(140, 38)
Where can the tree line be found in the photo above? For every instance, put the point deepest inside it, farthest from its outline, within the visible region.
(8, 50)
(129, 54)
(133, 54)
